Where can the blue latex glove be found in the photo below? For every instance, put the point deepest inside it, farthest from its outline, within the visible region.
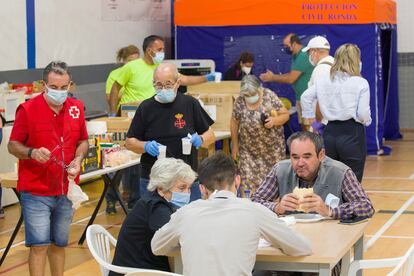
(152, 148)
(112, 115)
(196, 140)
(211, 77)
(318, 127)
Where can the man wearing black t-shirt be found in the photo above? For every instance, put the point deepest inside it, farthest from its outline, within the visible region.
(165, 119)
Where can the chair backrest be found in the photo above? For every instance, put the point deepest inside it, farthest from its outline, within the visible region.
(405, 266)
(152, 273)
(99, 242)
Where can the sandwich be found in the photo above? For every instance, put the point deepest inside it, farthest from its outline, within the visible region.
(301, 193)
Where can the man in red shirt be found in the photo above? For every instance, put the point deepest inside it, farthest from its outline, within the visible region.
(49, 137)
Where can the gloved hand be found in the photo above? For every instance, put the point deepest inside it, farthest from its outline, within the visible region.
(318, 127)
(196, 140)
(112, 115)
(212, 76)
(151, 147)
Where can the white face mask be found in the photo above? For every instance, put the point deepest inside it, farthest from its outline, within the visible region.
(360, 66)
(246, 69)
(311, 61)
(252, 99)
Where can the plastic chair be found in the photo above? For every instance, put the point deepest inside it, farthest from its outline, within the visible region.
(99, 242)
(152, 273)
(403, 266)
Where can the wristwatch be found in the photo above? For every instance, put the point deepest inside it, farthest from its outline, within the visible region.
(29, 153)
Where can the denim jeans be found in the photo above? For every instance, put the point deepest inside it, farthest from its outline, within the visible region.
(46, 219)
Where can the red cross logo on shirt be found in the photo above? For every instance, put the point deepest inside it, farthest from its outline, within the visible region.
(74, 112)
(179, 122)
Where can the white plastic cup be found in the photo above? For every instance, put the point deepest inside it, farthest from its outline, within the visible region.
(163, 151)
(217, 77)
(186, 146)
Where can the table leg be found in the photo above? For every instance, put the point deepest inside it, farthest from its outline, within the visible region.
(107, 182)
(324, 270)
(116, 179)
(226, 146)
(345, 263)
(14, 234)
(211, 149)
(178, 265)
(359, 251)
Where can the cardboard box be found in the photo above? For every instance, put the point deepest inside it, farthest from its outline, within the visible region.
(118, 126)
(129, 109)
(219, 107)
(224, 87)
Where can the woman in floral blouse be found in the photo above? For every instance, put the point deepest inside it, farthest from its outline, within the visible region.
(257, 135)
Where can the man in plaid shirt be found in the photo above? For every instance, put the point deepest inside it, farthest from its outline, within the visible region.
(309, 167)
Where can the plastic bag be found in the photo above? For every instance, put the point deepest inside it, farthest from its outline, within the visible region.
(75, 194)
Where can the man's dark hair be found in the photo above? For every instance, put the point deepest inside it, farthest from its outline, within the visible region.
(58, 67)
(294, 38)
(149, 40)
(217, 172)
(307, 135)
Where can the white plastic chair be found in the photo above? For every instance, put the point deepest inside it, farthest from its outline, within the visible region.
(403, 266)
(152, 273)
(99, 242)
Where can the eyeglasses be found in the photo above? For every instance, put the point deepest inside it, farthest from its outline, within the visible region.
(53, 158)
(167, 85)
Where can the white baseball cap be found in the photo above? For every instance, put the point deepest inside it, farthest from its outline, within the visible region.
(318, 42)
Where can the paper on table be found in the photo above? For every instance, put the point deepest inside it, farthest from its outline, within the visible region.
(264, 243)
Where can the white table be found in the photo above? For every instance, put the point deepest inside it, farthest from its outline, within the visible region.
(331, 242)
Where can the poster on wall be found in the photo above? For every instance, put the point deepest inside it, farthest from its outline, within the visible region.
(135, 10)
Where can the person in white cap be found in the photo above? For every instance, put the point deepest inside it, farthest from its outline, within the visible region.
(318, 52)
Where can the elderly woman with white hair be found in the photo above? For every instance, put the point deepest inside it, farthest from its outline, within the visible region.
(170, 182)
(257, 132)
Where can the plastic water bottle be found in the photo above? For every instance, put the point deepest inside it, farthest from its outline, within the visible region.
(247, 194)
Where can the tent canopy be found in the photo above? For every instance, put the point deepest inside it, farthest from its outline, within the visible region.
(265, 12)
(221, 29)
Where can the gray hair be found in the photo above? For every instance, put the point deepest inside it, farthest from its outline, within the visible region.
(58, 67)
(249, 83)
(167, 171)
(307, 135)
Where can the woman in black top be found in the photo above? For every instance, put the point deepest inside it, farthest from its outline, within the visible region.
(241, 68)
(170, 182)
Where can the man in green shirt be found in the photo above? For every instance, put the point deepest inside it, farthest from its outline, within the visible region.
(299, 75)
(136, 77)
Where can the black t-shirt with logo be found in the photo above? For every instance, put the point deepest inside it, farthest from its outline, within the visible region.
(167, 124)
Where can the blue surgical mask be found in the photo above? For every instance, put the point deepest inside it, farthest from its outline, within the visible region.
(180, 199)
(57, 96)
(166, 95)
(252, 99)
(158, 58)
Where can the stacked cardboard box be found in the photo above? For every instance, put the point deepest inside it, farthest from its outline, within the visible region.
(118, 126)
(218, 100)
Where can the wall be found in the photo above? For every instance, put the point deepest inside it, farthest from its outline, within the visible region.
(85, 34)
(405, 11)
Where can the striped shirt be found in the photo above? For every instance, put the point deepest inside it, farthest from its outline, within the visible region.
(355, 201)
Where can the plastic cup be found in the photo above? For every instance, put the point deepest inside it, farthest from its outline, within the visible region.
(186, 146)
(163, 151)
(217, 77)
